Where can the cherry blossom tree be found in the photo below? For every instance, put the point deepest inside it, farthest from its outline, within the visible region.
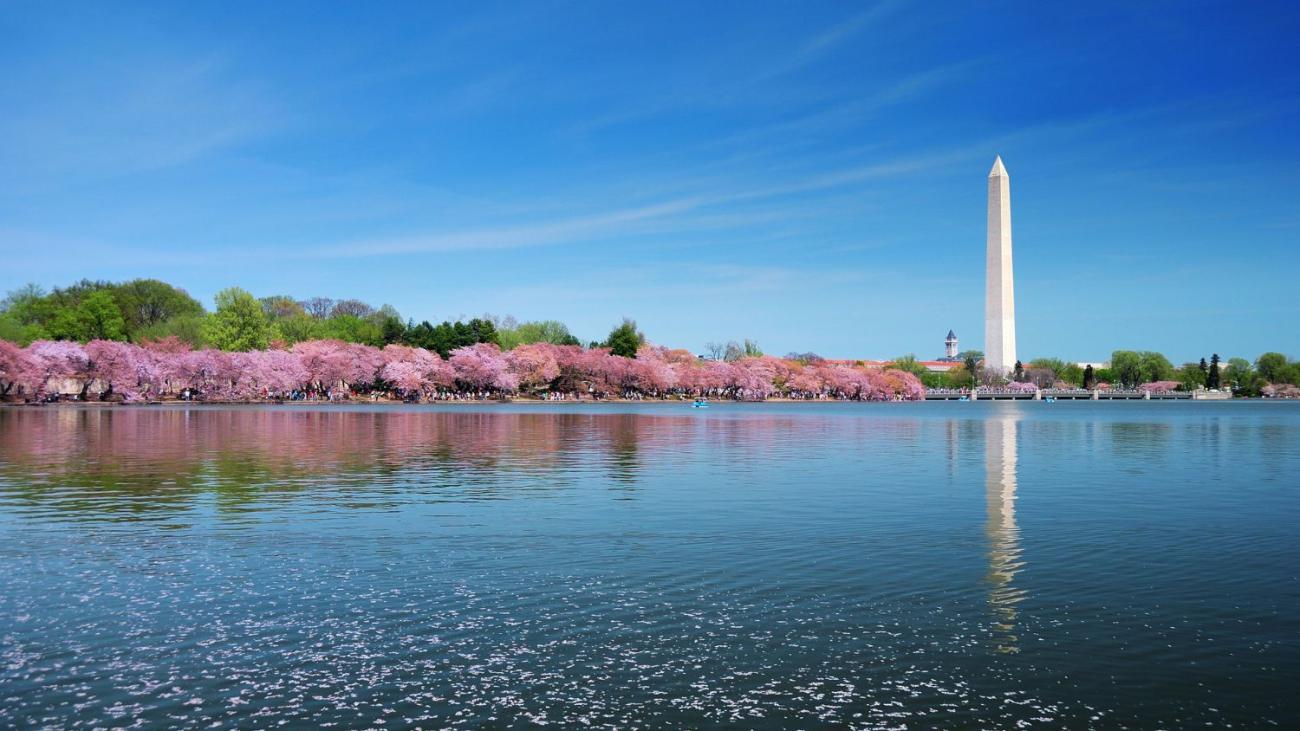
(652, 372)
(170, 345)
(414, 371)
(18, 368)
(122, 368)
(404, 376)
(535, 365)
(273, 372)
(1020, 386)
(806, 381)
(208, 373)
(754, 378)
(61, 360)
(903, 384)
(168, 366)
(599, 370)
(327, 362)
(482, 366)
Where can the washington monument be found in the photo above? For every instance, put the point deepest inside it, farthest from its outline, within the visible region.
(999, 288)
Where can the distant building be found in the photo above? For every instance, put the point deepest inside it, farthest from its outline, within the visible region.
(950, 347)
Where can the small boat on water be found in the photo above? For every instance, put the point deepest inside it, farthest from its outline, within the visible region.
(700, 404)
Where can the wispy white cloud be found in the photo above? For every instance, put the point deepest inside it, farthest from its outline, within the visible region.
(507, 237)
(632, 220)
(133, 116)
(746, 86)
(830, 39)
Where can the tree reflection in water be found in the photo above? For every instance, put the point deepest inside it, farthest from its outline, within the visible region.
(154, 464)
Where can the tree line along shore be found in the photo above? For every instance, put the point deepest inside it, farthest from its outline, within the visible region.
(148, 340)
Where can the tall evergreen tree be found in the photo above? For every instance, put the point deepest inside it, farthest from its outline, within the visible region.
(1212, 380)
(1089, 377)
(1018, 373)
(625, 339)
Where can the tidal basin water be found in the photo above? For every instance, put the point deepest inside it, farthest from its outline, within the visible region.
(941, 565)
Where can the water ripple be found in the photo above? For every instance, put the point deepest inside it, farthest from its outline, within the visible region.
(837, 566)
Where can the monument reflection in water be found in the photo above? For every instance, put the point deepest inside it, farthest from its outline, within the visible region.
(1003, 534)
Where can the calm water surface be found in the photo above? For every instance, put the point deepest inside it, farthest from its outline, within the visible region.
(955, 565)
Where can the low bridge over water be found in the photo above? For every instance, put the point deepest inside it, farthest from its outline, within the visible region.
(1077, 394)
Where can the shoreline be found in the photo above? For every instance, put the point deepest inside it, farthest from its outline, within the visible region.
(388, 403)
(392, 403)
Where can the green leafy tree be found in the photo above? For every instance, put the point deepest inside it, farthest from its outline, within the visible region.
(1191, 376)
(419, 336)
(13, 329)
(910, 364)
(353, 329)
(625, 339)
(28, 306)
(1071, 373)
(971, 363)
(1292, 373)
(1127, 367)
(96, 318)
(1055, 365)
(147, 302)
(959, 376)
(239, 322)
(280, 307)
(392, 330)
(1239, 373)
(187, 328)
(1133, 368)
(1089, 377)
(931, 379)
(544, 331)
(482, 330)
(1272, 367)
(448, 336)
(1155, 367)
(299, 327)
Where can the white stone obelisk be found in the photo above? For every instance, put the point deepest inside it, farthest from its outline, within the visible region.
(999, 292)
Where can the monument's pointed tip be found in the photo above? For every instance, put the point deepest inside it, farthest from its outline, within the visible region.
(999, 170)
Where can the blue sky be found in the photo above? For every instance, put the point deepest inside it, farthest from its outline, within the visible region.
(808, 175)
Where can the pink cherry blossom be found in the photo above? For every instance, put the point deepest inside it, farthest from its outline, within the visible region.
(483, 367)
(1020, 386)
(535, 365)
(168, 366)
(18, 369)
(122, 368)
